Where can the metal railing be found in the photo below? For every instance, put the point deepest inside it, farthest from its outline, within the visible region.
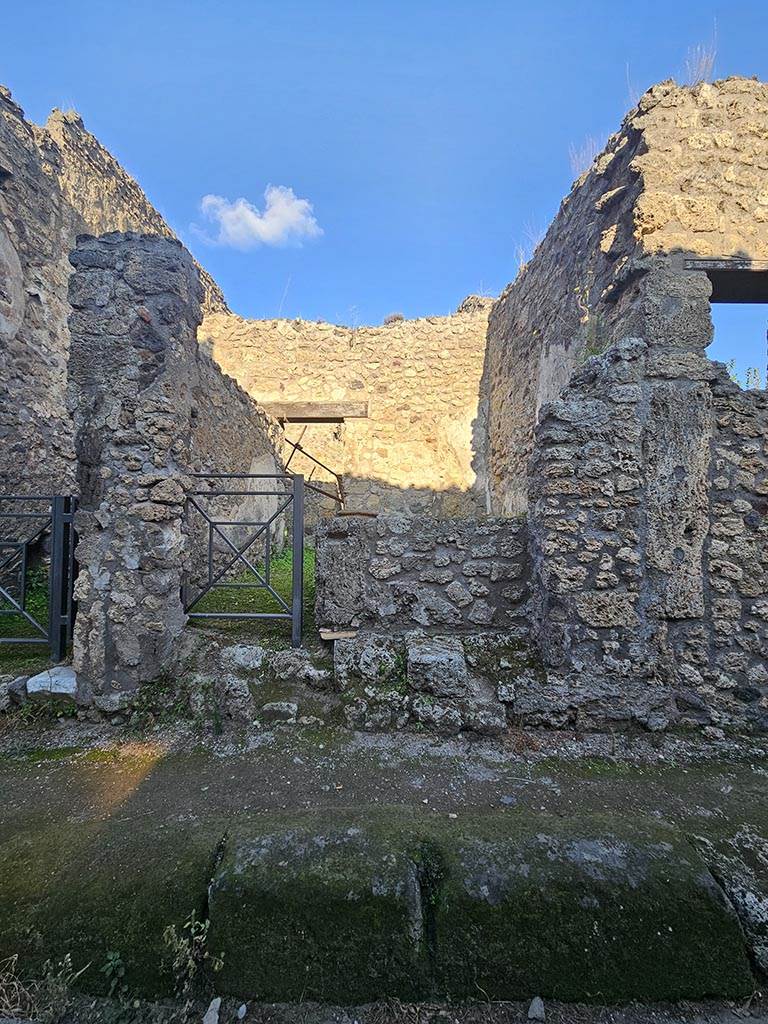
(26, 523)
(339, 497)
(223, 554)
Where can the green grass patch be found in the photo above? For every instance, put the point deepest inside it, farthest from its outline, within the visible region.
(39, 755)
(258, 600)
(25, 658)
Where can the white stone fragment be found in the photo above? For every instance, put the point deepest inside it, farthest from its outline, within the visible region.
(59, 683)
(536, 1009)
(212, 1013)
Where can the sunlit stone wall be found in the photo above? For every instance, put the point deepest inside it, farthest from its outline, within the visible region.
(419, 378)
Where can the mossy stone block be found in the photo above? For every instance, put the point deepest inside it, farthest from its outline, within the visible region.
(584, 914)
(87, 888)
(308, 911)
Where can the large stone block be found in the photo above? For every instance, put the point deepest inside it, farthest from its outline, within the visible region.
(303, 911)
(677, 444)
(371, 659)
(586, 916)
(436, 665)
(86, 887)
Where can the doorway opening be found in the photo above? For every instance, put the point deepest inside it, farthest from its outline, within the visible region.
(740, 317)
(741, 341)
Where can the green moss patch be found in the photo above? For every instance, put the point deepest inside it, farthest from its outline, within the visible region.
(101, 851)
(507, 905)
(87, 888)
(587, 913)
(311, 912)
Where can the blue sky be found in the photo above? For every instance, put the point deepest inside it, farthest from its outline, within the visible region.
(430, 138)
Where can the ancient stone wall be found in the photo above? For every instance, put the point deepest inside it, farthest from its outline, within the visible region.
(149, 407)
(401, 572)
(645, 478)
(650, 536)
(106, 197)
(56, 182)
(685, 176)
(36, 228)
(419, 378)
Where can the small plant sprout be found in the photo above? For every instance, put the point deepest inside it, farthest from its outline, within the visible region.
(752, 379)
(191, 959)
(16, 996)
(113, 970)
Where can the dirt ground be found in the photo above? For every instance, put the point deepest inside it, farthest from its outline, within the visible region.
(73, 774)
(394, 1012)
(670, 778)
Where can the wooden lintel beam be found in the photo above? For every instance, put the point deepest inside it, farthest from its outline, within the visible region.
(316, 412)
(734, 279)
(730, 263)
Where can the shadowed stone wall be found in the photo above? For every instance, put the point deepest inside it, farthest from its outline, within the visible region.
(56, 182)
(649, 472)
(650, 535)
(420, 379)
(37, 226)
(106, 196)
(149, 407)
(400, 572)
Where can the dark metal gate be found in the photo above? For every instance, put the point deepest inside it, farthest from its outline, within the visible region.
(214, 509)
(37, 570)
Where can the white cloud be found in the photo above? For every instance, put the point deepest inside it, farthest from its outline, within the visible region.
(241, 225)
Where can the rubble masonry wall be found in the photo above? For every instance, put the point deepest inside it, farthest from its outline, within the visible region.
(56, 182)
(685, 176)
(402, 572)
(647, 474)
(420, 379)
(149, 408)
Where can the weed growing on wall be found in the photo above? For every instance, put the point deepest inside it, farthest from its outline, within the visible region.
(752, 379)
(700, 61)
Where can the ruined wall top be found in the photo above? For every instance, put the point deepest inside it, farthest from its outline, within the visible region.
(56, 182)
(686, 172)
(685, 176)
(703, 165)
(104, 194)
(37, 228)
